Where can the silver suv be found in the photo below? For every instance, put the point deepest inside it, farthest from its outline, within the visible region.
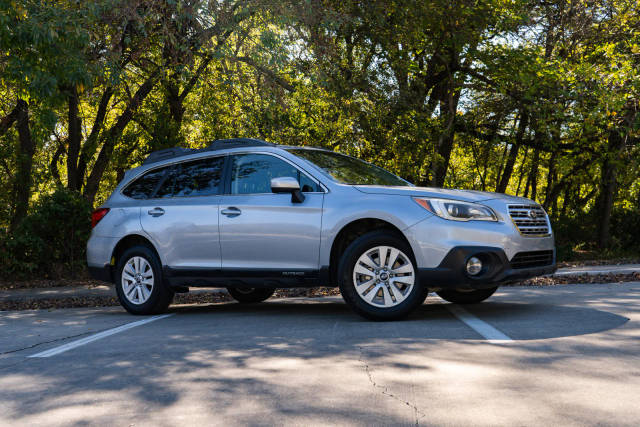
(251, 216)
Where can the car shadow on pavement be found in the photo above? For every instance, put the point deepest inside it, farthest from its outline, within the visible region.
(520, 321)
(301, 360)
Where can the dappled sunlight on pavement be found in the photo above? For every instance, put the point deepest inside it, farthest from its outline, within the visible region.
(573, 361)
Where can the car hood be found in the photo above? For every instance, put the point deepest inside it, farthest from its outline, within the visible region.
(464, 195)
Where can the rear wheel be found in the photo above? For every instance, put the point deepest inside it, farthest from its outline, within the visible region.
(377, 277)
(250, 295)
(139, 283)
(466, 297)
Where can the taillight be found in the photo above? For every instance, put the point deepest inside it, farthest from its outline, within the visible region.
(97, 215)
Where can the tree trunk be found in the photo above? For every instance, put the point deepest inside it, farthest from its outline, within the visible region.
(532, 179)
(501, 165)
(522, 169)
(23, 179)
(175, 102)
(551, 197)
(74, 139)
(100, 166)
(513, 154)
(566, 201)
(608, 188)
(91, 144)
(615, 149)
(168, 126)
(53, 166)
(448, 108)
(168, 120)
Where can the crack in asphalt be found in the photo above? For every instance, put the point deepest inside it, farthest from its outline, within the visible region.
(48, 342)
(5, 367)
(418, 414)
(58, 339)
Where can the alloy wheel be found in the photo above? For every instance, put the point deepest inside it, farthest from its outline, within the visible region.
(383, 276)
(137, 280)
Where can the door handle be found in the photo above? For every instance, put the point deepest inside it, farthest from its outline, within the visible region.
(231, 212)
(156, 212)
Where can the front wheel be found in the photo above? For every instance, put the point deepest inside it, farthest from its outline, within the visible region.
(377, 277)
(466, 297)
(250, 295)
(139, 283)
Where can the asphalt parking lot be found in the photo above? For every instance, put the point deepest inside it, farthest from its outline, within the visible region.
(567, 355)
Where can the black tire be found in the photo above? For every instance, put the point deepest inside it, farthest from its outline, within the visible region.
(161, 295)
(466, 297)
(413, 299)
(250, 295)
(425, 295)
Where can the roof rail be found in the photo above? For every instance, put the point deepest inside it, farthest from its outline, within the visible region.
(219, 144)
(167, 153)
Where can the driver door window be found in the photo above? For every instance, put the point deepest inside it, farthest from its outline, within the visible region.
(252, 174)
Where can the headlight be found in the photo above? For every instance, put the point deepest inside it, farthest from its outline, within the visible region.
(457, 211)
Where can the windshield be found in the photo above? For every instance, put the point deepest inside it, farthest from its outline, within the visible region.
(349, 170)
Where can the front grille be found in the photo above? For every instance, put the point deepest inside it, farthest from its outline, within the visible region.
(532, 259)
(531, 220)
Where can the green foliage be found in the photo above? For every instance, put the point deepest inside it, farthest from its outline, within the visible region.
(537, 99)
(45, 46)
(625, 228)
(50, 241)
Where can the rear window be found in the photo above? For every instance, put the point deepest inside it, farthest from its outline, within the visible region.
(143, 187)
(196, 178)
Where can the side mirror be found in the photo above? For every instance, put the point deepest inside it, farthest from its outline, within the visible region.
(287, 184)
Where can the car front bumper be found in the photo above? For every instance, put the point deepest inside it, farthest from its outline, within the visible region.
(497, 269)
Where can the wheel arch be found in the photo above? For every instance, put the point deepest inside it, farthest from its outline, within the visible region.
(350, 232)
(128, 242)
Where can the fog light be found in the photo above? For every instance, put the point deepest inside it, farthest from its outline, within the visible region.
(474, 266)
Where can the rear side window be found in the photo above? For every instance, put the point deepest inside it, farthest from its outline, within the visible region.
(143, 187)
(252, 174)
(196, 178)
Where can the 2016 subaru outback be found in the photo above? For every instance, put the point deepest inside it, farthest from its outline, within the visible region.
(252, 216)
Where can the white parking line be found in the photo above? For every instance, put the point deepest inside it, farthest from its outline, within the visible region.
(480, 326)
(74, 344)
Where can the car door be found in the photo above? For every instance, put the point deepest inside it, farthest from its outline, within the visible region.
(182, 215)
(263, 231)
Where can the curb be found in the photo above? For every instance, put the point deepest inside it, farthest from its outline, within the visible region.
(595, 270)
(69, 292)
(106, 291)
